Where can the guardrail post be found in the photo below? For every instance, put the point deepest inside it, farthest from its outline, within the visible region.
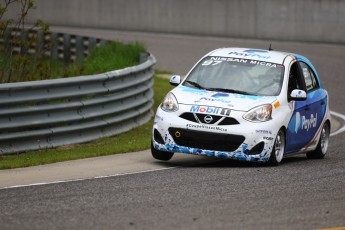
(7, 39)
(24, 40)
(80, 48)
(54, 53)
(39, 42)
(92, 43)
(60, 45)
(67, 48)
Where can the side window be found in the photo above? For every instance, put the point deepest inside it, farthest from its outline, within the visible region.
(309, 77)
(293, 78)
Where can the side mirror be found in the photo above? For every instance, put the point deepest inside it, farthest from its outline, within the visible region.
(175, 80)
(298, 95)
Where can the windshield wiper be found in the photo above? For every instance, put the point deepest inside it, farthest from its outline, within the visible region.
(219, 89)
(231, 91)
(195, 84)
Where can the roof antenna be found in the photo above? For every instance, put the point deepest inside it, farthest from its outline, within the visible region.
(270, 47)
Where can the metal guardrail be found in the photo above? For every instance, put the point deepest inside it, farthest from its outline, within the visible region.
(50, 113)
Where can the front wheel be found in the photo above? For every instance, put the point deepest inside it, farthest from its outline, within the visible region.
(322, 146)
(161, 155)
(278, 149)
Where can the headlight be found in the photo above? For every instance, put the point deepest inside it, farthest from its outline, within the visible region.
(259, 114)
(169, 103)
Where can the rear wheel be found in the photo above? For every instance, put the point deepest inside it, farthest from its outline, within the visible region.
(322, 146)
(278, 149)
(161, 155)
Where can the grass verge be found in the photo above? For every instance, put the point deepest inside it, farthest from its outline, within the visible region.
(109, 56)
(134, 140)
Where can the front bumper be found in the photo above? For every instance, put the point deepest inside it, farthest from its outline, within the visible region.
(245, 141)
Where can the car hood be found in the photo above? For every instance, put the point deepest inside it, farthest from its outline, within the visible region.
(191, 96)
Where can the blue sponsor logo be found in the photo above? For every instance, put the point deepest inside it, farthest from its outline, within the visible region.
(210, 110)
(255, 51)
(217, 95)
(262, 131)
(304, 123)
(251, 53)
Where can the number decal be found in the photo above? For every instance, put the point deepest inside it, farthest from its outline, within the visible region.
(209, 62)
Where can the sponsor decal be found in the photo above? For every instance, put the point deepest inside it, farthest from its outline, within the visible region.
(262, 131)
(268, 138)
(298, 122)
(268, 64)
(255, 51)
(209, 110)
(217, 60)
(309, 123)
(201, 126)
(218, 95)
(213, 100)
(251, 53)
(304, 123)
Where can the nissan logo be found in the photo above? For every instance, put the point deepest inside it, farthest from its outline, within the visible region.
(208, 119)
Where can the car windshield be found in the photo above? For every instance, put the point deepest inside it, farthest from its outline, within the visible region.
(237, 75)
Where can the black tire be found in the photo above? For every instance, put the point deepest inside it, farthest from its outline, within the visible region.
(322, 146)
(161, 155)
(278, 149)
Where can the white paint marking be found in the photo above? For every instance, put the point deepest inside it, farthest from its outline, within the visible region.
(97, 177)
(341, 116)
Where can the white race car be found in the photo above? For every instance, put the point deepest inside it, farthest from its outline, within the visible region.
(245, 104)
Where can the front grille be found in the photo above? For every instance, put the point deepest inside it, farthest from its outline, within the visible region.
(229, 121)
(206, 140)
(200, 118)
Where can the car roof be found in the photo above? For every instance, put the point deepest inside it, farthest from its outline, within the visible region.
(255, 54)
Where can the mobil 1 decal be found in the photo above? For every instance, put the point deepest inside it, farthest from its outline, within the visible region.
(209, 110)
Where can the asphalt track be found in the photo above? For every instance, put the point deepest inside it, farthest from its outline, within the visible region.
(134, 191)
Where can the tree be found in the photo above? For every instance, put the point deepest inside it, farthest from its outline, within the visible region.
(17, 61)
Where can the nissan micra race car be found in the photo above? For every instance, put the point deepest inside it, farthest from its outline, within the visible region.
(244, 104)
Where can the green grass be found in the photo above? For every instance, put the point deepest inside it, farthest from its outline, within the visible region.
(158, 72)
(109, 56)
(134, 140)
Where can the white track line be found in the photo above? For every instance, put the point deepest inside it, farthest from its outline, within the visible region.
(97, 177)
(341, 116)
